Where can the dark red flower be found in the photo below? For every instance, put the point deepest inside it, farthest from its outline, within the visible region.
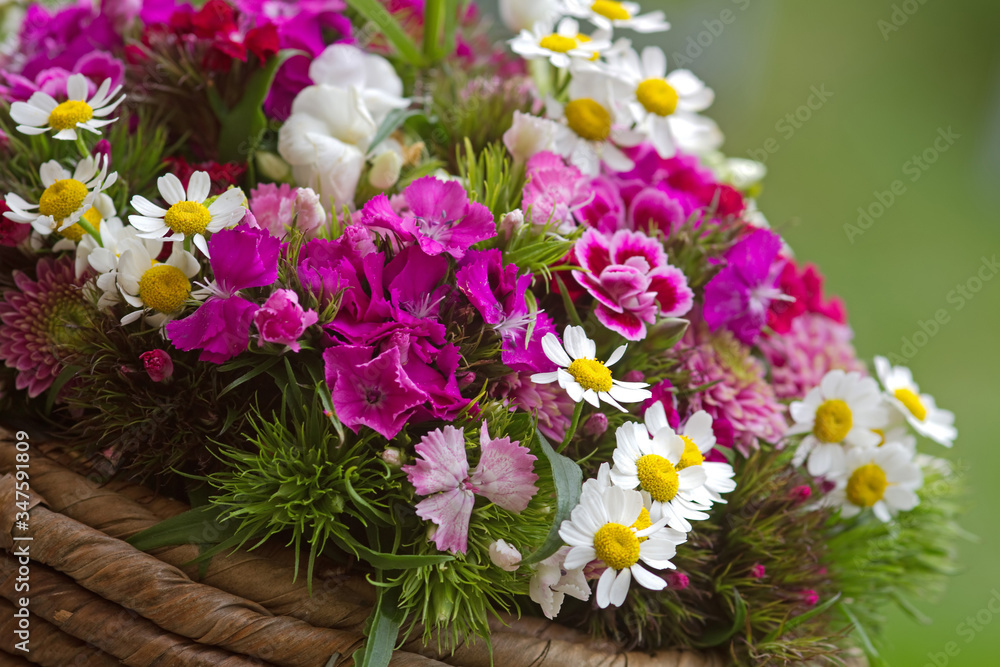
(215, 19)
(263, 41)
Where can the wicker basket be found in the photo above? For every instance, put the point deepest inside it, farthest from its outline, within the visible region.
(95, 600)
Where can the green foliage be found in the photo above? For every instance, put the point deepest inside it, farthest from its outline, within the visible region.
(491, 178)
(902, 561)
(303, 477)
(125, 411)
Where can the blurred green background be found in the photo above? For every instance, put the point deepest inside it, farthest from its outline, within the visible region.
(895, 76)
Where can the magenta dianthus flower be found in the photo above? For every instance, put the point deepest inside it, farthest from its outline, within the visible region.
(440, 217)
(282, 320)
(738, 297)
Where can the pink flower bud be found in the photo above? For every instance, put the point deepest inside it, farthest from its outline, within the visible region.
(678, 580)
(800, 494)
(309, 212)
(596, 425)
(810, 598)
(281, 319)
(393, 456)
(633, 376)
(158, 365)
(757, 571)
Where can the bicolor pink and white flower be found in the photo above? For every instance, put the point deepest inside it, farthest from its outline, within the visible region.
(629, 276)
(505, 476)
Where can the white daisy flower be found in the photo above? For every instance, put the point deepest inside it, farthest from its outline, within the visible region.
(608, 14)
(116, 237)
(665, 106)
(603, 528)
(652, 465)
(562, 46)
(187, 215)
(584, 377)
(104, 219)
(42, 113)
(67, 198)
(592, 126)
(883, 478)
(842, 411)
(919, 409)
(699, 439)
(163, 287)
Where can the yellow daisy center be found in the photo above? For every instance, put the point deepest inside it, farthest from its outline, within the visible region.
(558, 43)
(164, 288)
(642, 523)
(75, 232)
(617, 546)
(187, 217)
(588, 119)
(657, 96)
(912, 402)
(692, 455)
(611, 10)
(658, 476)
(62, 199)
(881, 436)
(591, 374)
(867, 485)
(69, 114)
(833, 421)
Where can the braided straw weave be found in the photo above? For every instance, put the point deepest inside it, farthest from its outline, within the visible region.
(96, 600)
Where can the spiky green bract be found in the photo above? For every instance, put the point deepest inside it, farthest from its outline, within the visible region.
(691, 245)
(153, 428)
(302, 477)
(452, 601)
(472, 107)
(491, 179)
(764, 523)
(908, 559)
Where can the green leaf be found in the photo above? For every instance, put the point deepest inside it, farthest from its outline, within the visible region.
(244, 124)
(384, 561)
(196, 526)
(249, 375)
(665, 334)
(395, 118)
(65, 376)
(722, 635)
(799, 619)
(874, 659)
(574, 316)
(376, 13)
(568, 480)
(381, 630)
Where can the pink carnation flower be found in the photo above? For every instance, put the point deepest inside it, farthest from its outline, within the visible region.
(554, 191)
(281, 319)
(630, 277)
(813, 346)
(739, 392)
(505, 476)
(277, 208)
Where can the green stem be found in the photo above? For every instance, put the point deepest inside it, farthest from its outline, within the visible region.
(577, 411)
(433, 13)
(82, 147)
(89, 228)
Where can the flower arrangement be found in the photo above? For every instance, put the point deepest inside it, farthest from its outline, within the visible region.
(494, 322)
